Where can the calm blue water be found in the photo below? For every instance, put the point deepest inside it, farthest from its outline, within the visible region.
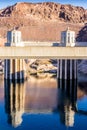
(43, 104)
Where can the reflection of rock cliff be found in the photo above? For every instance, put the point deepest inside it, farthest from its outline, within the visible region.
(41, 95)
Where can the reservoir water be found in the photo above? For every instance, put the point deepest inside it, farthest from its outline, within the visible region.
(43, 104)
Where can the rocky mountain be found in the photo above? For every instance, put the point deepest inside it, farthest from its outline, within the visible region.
(42, 21)
(46, 11)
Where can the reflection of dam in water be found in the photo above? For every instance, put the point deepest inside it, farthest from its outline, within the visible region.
(21, 98)
(41, 96)
(67, 101)
(14, 102)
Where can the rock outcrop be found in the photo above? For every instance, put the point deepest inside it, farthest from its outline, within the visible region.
(42, 21)
(46, 11)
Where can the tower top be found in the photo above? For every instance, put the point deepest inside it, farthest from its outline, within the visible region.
(68, 37)
(14, 28)
(14, 37)
(68, 29)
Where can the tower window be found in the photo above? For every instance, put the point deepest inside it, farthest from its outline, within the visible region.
(13, 38)
(68, 37)
(17, 38)
(72, 40)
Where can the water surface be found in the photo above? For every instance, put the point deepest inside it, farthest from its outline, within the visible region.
(43, 104)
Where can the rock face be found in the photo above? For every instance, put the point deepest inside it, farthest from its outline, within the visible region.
(41, 66)
(82, 35)
(82, 67)
(42, 21)
(46, 11)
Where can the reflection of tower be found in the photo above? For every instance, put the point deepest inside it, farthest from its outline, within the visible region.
(14, 101)
(14, 68)
(67, 101)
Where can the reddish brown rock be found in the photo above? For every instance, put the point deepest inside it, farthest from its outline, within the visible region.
(42, 21)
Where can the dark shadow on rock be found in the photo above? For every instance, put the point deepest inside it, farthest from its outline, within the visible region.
(82, 35)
